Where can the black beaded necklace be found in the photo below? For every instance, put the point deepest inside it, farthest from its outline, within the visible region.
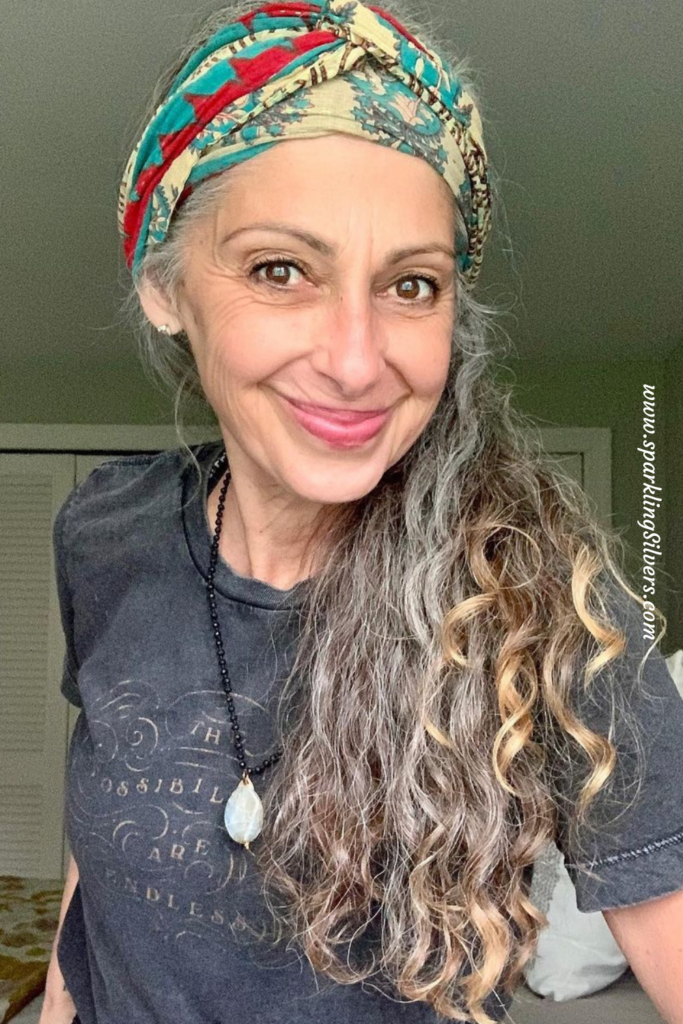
(243, 810)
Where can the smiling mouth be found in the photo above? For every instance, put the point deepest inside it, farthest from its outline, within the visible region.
(340, 433)
(338, 415)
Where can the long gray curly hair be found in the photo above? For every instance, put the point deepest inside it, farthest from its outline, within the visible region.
(441, 644)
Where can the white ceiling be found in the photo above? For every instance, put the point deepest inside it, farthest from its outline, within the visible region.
(583, 110)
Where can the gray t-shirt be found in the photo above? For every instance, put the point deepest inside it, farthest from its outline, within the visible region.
(167, 922)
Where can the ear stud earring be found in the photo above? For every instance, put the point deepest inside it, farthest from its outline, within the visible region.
(165, 329)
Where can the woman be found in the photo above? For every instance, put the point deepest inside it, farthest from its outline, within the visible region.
(318, 757)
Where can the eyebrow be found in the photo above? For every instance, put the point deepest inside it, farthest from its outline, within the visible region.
(327, 249)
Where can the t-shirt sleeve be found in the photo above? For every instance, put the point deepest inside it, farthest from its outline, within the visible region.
(631, 849)
(69, 680)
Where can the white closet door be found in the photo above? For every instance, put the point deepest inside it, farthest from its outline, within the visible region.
(572, 464)
(33, 724)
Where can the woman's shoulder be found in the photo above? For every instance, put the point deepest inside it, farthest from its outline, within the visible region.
(126, 487)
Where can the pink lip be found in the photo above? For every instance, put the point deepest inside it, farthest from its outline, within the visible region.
(342, 430)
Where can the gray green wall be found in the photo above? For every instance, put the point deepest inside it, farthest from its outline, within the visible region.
(673, 391)
(610, 394)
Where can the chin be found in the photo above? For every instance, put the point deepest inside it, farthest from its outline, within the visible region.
(335, 484)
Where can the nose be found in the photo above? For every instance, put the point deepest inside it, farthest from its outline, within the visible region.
(351, 349)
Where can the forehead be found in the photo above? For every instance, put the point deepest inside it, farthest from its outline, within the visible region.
(335, 179)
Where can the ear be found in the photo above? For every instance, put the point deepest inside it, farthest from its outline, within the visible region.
(157, 306)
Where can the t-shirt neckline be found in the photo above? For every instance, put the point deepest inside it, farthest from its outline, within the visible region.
(199, 534)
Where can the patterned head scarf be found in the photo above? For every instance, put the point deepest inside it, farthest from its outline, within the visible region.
(300, 70)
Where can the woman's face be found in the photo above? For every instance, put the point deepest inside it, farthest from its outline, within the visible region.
(339, 318)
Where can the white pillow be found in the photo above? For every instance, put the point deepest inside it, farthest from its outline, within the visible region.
(577, 953)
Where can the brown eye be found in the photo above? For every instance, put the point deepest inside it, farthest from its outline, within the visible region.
(276, 274)
(409, 289)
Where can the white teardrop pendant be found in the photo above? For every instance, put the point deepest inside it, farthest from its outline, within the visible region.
(244, 813)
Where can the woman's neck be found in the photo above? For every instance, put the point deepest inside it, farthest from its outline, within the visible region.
(263, 543)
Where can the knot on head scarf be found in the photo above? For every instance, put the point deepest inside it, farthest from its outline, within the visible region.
(300, 70)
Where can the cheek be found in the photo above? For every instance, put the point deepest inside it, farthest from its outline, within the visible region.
(237, 339)
(426, 366)
(233, 365)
